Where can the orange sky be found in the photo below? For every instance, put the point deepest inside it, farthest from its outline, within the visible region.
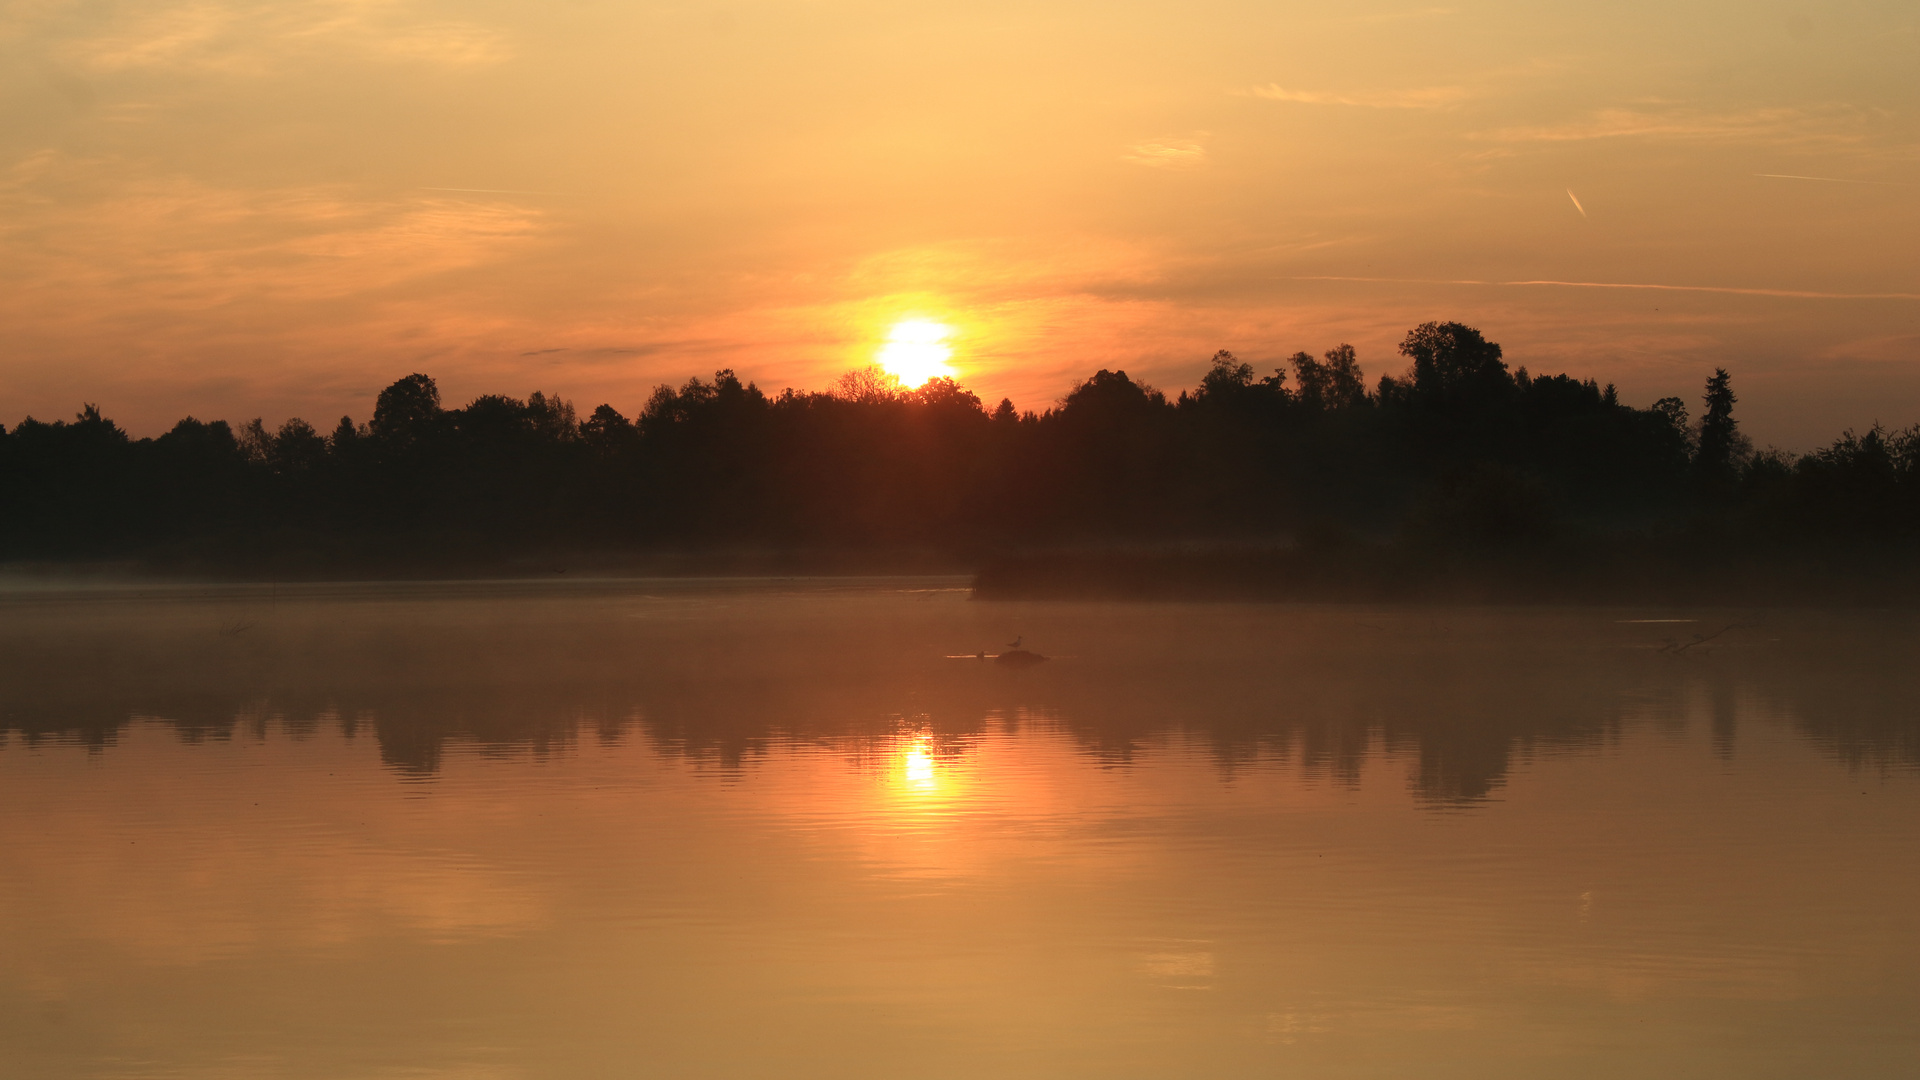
(241, 207)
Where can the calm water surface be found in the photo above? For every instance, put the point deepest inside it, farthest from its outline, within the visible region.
(772, 829)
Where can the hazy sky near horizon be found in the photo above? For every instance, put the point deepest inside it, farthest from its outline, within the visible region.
(275, 207)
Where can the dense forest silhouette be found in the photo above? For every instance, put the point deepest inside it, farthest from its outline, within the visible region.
(1457, 462)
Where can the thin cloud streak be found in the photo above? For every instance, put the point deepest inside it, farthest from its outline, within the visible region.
(493, 191)
(1432, 97)
(1576, 202)
(1830, 179)
(256, 39)
(1775, 126)
(1167, 155)
(1791, 294)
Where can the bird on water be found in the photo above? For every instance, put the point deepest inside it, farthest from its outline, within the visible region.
(1015, 656)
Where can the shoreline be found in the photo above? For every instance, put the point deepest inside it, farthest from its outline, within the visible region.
(1623, 575)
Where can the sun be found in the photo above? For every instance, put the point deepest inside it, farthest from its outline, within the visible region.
(916, 351)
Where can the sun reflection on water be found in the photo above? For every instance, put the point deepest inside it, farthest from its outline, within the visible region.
(919, 768)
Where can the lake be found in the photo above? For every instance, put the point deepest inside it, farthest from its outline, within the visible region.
(796, 828)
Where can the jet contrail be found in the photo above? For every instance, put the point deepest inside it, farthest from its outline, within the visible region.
(1830, 179)
(1576, 203)
(1792, 294)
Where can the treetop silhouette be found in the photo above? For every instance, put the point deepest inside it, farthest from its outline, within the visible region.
(1457, 453)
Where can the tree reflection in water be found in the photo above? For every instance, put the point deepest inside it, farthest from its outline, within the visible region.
(726, 676)
(709, 830)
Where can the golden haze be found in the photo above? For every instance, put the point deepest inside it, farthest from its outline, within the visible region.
(235, 207)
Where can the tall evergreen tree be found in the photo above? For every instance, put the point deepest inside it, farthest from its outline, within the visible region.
(1721, 444)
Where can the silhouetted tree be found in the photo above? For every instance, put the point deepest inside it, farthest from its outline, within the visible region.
(1227, 379)
(1722, 449)
(73, 488)
(1330, 384)
(866, 386)
(552, 418)
(297, 447)
(344, 436)
(1863, 489)
(607, 431)
(1454, 365)
(1674, 411)
(1457, 456)
(1109, 445)
(407, 410)
(1233, 443)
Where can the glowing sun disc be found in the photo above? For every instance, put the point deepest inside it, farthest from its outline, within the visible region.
(916, 351)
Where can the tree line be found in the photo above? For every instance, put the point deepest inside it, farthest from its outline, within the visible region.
(1456, 452)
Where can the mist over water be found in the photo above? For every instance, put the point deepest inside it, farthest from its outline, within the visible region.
(784, 828)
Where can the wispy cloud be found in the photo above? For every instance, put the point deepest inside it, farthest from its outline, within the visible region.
(1167, 155)
(1895, 348)
(1430, 97)
(251, 37)
(449, 44)
(1831, 179)
(180, 243)
(1770, 125)
(492, 191)
(1729, 290)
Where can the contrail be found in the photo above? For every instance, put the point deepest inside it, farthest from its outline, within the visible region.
(1792, 294)
(1830, 179)
(1576, 203)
